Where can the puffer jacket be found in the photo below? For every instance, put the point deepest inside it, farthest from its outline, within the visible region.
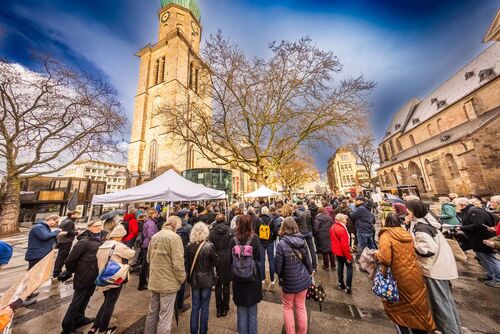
(148, 230)
(449, 214)
(294, 273)
(220, 237)
(203, 276)
(396, 250)
(303, 219)
(363, 219)
(166, 262)
(40, 241)
(321, 231)
(434, 254)
(82, 260)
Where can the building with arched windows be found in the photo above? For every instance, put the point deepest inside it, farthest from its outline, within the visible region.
(449, 140)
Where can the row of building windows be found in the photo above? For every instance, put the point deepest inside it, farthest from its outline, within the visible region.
(347, 179)
(346, 167)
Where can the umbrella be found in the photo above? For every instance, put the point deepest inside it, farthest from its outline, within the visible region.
(73, 201)
(111, 214)
(394, 199)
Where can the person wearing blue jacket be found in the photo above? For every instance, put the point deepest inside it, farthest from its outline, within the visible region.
(41, 240)
(294, 268)
(364, 220)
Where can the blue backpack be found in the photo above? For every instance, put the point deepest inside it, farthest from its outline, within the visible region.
(243, 267)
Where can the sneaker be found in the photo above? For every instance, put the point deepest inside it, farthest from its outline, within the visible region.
(342, 286)
(84, 322)
(273, 281)
(484, 278)
(93, 330)
(110, 330)
(325, 268)
(264, 282)
(348, 291)
(493, 284)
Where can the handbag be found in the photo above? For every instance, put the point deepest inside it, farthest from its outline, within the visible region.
(316, 293)
(195, 258)
(113, 274)
(386, 286)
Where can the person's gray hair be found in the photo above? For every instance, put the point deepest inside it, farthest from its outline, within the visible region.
(264, 210)
(199, 233)
(251, 209)
(51, 217)
(495, 199)
(463, 201)
(341, 217)
(444, 200)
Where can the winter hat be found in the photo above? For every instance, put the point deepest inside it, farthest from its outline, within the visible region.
(5, 253)
(118, 232)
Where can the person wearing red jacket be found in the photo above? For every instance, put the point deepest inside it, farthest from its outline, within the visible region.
(132, 228)
(340, 247)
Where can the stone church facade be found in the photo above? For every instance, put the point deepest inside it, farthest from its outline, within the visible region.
(450, 140)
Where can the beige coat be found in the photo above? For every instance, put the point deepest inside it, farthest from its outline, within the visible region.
(166, 262)
(121, 252)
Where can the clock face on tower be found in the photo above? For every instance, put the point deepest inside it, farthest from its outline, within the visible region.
(164, 17)
(196, 30)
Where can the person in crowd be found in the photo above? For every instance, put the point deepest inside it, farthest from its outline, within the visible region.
(303, 219)
(321, 230)
(494, 205)
(132, 229)
(160, 220)
(400, 211)
(294, 269)
(167, 272)
(255, 219)
(6, 313)
(345, 209)
(364, 220)
(148, 231)
(339, 237)
(313, 209)
(352, 204)
(184, 231)
(41, 240)
(438, 266)
(328, 208)
(246, 295)
(201, 261)
(110, 224)
(234, 220)
(386, 209)
(65, 241)
(396, 251)
(208, 216)
(452, 197)
(448, 212)
(266, 231)
(115, 250)
(82, 262)
(220, 237)
(475, 224)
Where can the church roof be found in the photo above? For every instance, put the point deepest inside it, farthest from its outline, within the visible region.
(471, 77)
(399, 119)
(192, 5)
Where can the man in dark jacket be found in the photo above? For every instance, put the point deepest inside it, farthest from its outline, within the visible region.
(303, 219)
(65, 241)
(41, 240)
(82, 261)
(266, 231)
(364, 220)
(475, 223)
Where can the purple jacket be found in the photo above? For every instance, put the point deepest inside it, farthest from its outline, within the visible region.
(148, 230)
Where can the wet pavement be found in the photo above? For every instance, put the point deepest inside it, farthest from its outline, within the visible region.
(358, 313)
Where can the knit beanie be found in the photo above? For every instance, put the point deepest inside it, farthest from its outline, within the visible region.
(118, 232)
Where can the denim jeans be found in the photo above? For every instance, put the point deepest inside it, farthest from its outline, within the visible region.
(491, 264)
(200, 310)
(341, 261)
(444, 310)
(247, 319)
(269, 249)
(365, 240)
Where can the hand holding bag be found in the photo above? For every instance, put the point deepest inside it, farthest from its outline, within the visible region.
(386, 286)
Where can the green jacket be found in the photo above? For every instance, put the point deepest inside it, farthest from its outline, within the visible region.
(166, 262)
(449, 214)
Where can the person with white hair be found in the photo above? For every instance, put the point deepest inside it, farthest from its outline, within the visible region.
(201, 261)
(266, 230)
(494, 205)
(476, 224)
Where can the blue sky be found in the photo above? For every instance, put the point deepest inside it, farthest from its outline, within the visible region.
(408, 47)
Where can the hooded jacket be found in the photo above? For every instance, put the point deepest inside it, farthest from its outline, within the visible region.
(321, 229)
(294, 270)
(396, 250)
(148, 230)
(449, 214)
(40, 241)
(303, 219)
(363, 219)
(133, 227)
(434, 254)
(475, 222)
(220, 237)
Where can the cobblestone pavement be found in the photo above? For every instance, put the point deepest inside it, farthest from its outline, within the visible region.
(358, 313)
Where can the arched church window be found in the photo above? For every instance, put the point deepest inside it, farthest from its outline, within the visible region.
(157, 71)
(191, 73)
(162, 69)
(441, 125)
(430, 130)
(153, 158)
(196, 79)
(412, 140)
(398, 144)
(452, 166)
(393, 151)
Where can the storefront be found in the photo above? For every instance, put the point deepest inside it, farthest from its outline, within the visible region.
(215, 178)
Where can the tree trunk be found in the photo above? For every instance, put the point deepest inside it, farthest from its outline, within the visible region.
(9, 219)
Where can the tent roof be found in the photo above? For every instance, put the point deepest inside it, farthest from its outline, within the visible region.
(263, 191)
(168, 187)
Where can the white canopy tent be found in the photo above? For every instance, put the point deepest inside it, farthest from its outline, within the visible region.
(169, 187)
(263, 191)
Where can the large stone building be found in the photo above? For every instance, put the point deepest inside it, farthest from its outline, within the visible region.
(344, 173)
(449, 140)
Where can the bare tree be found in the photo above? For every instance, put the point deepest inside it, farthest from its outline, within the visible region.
(265, 110)
(367, 155)
(295, 174)
(48, 120)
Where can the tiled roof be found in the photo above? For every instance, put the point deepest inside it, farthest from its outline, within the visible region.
(437, 141)
(462, 83)
(399, 120)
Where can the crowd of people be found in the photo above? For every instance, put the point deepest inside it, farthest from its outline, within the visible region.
(204, 248)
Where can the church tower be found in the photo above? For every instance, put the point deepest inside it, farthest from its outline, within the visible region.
(169, 72)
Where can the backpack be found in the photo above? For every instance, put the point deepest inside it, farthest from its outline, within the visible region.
(113, 274)
(243, 266)
(264, 231)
